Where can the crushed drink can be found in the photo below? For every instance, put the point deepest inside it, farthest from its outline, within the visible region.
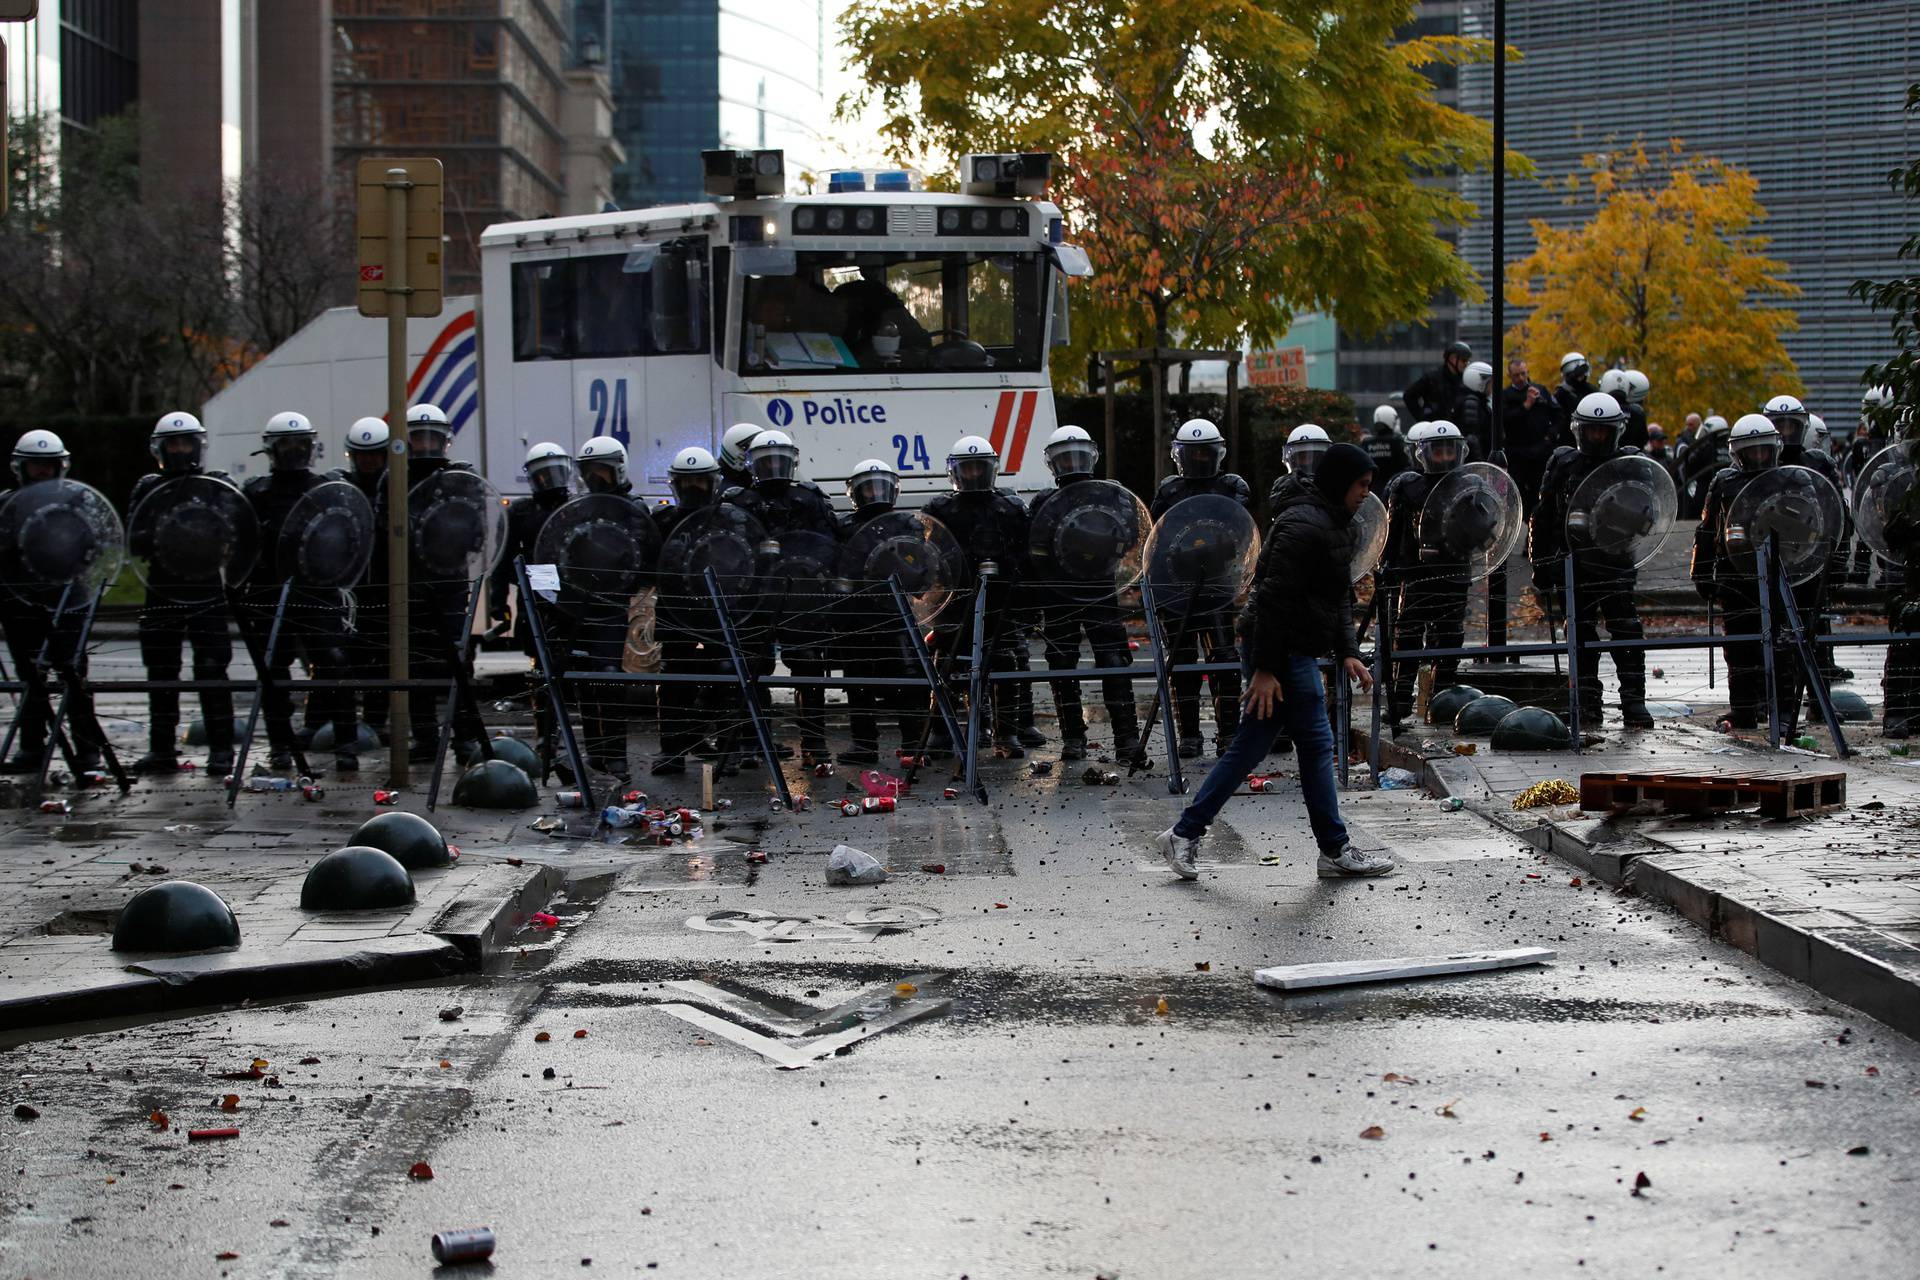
(303, 781)
(635, 796)
(756, 855)
(570, 799)
(618, 816)
(949, 794)
(467, 1244)
(675, 827)
(850, 808)
(723, 803)
(879, 804)
(1256, 782)
(823, 770)
(1098, 777)
(55, 806)
(314, 791)
(92, 778)
(1042, 768)
(803, 804)
(386, 797)
(257, 783)
(773, 803)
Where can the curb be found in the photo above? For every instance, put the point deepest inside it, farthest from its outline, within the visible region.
(458, 940)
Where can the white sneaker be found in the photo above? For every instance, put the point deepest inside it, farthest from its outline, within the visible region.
(1352, 862)
(1179, 853)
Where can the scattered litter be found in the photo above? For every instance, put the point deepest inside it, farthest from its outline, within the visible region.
(1552, 791)
(570, 799)
(1260, 783)
(882, 784)
(1641, 1182)
(1203, 966)
(468, 1244)
(1162, 1009)
(1373, 1131)
(541, 1037)
(1043, 768)
(849, 866)
(544, 920)
(55, 806)
(452, 1013)
(1295, 977)
(159, 1121)
(934, 868)
(1398, 780)
(1466, 748)
(549, 824)
(580, 1033)
(1394, 1077)
(1095, 776)
(1272, 860)
(1862, 1150)
(1638, 1114)
(181, 828)
(421, 1171)
(22, 1111)
(756, 856)
(1452, 804)
(905, 990)
(207, 1135)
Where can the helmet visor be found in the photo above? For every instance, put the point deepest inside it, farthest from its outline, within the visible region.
(1302, 459)
(291, 453)
(1759, 453)
(775, 462)
(1791, 426)
(598, 477)
(973, 475)
(1439, 455)
(693, 489)
(873, 490)
(1598, 437)
(1199, 461)
(548, 474)
(427, 441)
(1072, 458)
(180, 454)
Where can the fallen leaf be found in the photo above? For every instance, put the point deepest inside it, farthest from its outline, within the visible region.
(421, 1171)
(225, 1256)
(1638, 1113)
(279, 1222)
(261, 1064)
(1373, 1131)
(1545, 1136)
(159, 1121)
(1394, 1077)
(516, 862)
(1576, 882)
(1162, 1009)
(230, 1103)
(1816, 1084)
(1873, 1071)
(1533, 875)
(905, 990)
(701, 1042)
(581, 1034)
(1203, 966)
(541, 1037)
(452, 1013)
(999, 906)
(1445, 1110)
(445, 1065)
(309, 1062)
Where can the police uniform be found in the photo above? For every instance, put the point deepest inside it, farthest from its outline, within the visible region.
(1389, 454)
(33, 640)
(1064, 619)
(1602, 591)
(1720, 578)
(1214, 628)
(871, 641)
(368, 643)
(686, 710)
(1811, 597)
(1708, 456)
(1430, 606)
(990, 525)
(167, 625)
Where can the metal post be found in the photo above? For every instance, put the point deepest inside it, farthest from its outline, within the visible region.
(1763, 579)
(263, 680)
(1573, 660)
(33, 675)
(977, 678)
(71, 684)
(1710, 647)
(459, 691)
(1343, 714)
(397, 569)
(1810, 663)
(556, 695)
(1162, 701)
(935, 686)
(749, 688)
(1111, 450)
(1384, 609)
(1156, 380)
(1497, 580)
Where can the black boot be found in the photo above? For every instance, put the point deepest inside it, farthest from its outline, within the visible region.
(161, 756)
(1633, 703)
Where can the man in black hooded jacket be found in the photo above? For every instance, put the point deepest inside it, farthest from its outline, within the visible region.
(1301, 609)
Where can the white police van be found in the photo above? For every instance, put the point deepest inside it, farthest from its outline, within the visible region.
(875, 320)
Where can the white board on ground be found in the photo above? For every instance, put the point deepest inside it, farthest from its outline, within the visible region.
(1337, 973)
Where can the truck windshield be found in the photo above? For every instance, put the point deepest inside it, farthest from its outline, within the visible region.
(853, 312)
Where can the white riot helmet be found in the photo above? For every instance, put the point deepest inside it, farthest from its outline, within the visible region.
(1598, 423)
(695, 477)
(1071, 452)
(601, 457)
(733, 446)
(39, 446)
(1756, 443)
(874, 483)
(1477, 377)
(428, 425)
(1437, 446)
(1386, 416)
(1306, 445)
(289, 440)
(1817, 434)
(1199, 450)
(972, 465)
(1638, 385)
(548, 468)
(178, 443)
(1876, 398)
(368, 435)
(1614, 383)
(1713, 425)
(1789, 418)
(773, 458)
(1574, 365)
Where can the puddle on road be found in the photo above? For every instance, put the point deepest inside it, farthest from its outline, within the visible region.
(86, 832)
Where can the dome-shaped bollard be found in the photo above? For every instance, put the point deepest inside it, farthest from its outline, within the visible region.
(1848, 705)
(364, 738)
(495, 784)
(1446, 703)
(415, 843)
(356, 878)
(1478, 718)
(175, 915)
(197, 731)
(1531, 729)
(513, 751)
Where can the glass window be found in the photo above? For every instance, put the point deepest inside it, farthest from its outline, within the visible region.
(679, 288)
(842, 311)
(609, 308)
(541, 310)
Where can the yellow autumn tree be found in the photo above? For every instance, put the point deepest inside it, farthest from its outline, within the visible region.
(1667, 274)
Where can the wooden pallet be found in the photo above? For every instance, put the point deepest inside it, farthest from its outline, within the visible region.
(1780, 794)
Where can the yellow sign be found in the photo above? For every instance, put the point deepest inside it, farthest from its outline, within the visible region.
(421, 179)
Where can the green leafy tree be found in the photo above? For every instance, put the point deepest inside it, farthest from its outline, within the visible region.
(1900, 373)
(1229, 163)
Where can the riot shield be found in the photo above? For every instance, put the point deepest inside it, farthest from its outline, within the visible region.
(190, 537)
(56, 534)
(914, 549)
(1200, 555)
(458, 526)
(327, 538)
(1878, 494)
(1621, 513)
(802, 586)
(603, 546)
(727, 539)
(1088, 541)
(1799, 508)
(1370, 538)
(1472, 517)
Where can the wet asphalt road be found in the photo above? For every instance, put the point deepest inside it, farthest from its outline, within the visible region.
(1048, 1115)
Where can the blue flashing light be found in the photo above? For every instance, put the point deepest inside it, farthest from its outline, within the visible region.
(846, 180)
(894, 180)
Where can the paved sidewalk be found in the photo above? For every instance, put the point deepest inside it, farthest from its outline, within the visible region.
(1831, 900)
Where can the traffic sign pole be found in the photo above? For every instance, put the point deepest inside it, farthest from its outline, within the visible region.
(397, 186)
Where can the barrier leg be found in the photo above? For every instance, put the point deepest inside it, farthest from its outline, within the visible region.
(936, 686)
(749, 689)
(1763, 578)
(78, 709)
(556, 694)
(1162, 701)
(1380, 669)
(34, 676)
(1810, 663)
(977, 685)
(1573, 659)
(459, 693)
(263, 680)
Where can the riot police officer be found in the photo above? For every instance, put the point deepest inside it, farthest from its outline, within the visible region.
(1601, 591)
(549, 472)
(733, 455)
(991, 527)
(1475, 418)
(314, 623)
(1306, 444)
(1384, 445)
(871, 640)
(1639, 386)
(695, 478)
(783, 505)
(1619, 383)
(31, 635)
(1723, 573)
(367, 441)
(1798, 448)
(1199, 463)
(1707, 458)
(168, 624)
(1071, 456)
(1438, 391)
(1575, 384)
(1431, 603)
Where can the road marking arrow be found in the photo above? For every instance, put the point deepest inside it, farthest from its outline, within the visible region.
(796, 1041)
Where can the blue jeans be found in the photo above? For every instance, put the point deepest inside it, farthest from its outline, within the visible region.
(1303, 715)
